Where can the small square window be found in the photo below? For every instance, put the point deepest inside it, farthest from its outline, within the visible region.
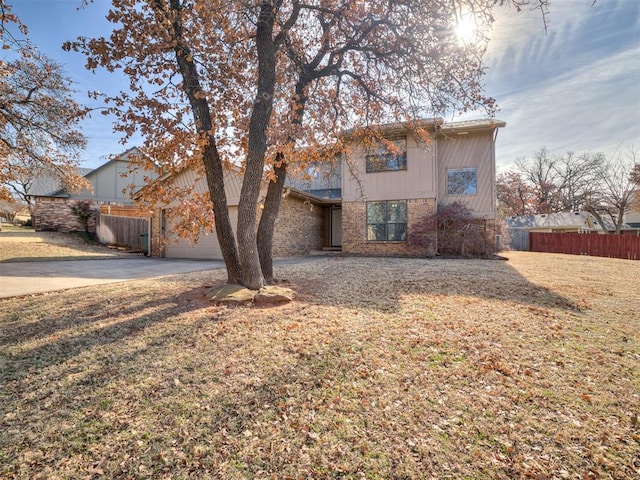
(462, 181)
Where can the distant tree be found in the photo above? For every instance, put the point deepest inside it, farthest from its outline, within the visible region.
(38, 115)
(23, 175)
(616, 182)
(558, 183)
(10, 208)
(515, 196)
(213, 82)
(547, 183)
(634, 178)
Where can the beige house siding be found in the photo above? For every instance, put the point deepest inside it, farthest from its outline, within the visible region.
(354, 228)
(469, 151)
(417, 181)
(321, 176)
(111, 182)
(191, 181)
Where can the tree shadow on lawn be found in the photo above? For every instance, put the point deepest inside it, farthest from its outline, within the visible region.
(383, 283)
(147, 371)
(60, 337)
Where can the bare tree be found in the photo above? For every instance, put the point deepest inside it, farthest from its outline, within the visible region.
(616, 184)
(38, 115)
(554, 183)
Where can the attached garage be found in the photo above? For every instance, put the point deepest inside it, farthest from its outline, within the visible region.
(300, 228)
(207, 246)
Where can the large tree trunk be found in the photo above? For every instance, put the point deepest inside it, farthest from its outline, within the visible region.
(211, 158)
(257, 147)
(215, 182)
(274, 193)
(268, 220)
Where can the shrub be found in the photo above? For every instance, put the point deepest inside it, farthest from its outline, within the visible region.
(459, 233)
(83, 210)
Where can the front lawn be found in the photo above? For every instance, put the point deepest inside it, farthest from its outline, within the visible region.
(24, 244)
(381, 368)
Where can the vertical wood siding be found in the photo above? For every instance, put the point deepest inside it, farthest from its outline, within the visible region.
(122, 231)
(468, 151)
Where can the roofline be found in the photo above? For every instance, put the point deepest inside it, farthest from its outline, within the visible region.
(472, 126)
(116, 158)
(312, 198)
(397, 127)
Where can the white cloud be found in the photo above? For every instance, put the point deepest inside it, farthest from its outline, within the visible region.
(595, 108)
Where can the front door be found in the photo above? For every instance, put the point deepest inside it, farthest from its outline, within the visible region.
(336, 227)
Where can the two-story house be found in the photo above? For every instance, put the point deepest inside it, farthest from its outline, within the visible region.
(111, 184)
(371, 199)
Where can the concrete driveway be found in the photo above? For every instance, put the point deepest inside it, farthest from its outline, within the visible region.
(23, 278)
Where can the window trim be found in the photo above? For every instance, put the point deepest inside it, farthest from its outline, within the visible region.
(462, 169)
(386, 223)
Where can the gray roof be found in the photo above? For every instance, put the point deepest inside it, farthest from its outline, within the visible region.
(49, 185)
(583, 220)
(550, 220)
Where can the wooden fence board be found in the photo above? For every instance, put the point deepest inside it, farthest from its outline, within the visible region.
(122, 231)
(613, 246)
(123, 211)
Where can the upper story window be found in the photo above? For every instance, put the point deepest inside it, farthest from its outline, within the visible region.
(389, 157)
(313, 171)
(462, 181)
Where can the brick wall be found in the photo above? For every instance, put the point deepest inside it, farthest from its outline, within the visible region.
(57, 216)
(354, 224)
(157, 247)
(299, 228)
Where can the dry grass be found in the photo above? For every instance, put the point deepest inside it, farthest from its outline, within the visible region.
(382, 368)
(20, 244)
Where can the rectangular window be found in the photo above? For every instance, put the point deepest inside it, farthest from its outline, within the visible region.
(387, 221)
(388, 158)
(462, 181)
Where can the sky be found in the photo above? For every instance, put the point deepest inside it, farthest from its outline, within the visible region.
(574, 87)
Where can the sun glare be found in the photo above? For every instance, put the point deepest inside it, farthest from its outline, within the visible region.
(466, 29)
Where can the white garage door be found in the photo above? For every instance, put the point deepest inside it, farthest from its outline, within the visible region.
(207, 246)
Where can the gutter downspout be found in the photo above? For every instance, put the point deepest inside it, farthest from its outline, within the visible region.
(436, 165)
(494, 199)
(149, 230)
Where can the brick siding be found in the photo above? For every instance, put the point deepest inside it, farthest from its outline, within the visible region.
(57, 216)
(299, 228)
(354, 225)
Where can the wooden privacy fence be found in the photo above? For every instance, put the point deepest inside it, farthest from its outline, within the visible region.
(123, 211)
(127, 232)
(614, 246)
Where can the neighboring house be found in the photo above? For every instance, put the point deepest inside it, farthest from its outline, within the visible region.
(368, 201)
(568, 222)
(632, 217)
(110, 185)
